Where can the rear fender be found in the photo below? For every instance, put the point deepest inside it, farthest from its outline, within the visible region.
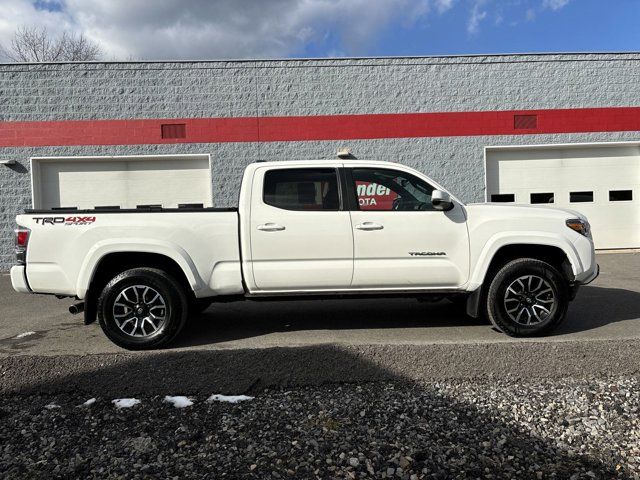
(168, 249)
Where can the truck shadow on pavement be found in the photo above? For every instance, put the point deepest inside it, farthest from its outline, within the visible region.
(595, 307)
(247, 319)
(444, 433)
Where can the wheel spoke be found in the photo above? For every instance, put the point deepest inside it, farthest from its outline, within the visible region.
(549, 300)
(127, 322)
(153, 300)
(534, 314)
(144, 320)
(544, 309)
(538, 286)
(156, 317)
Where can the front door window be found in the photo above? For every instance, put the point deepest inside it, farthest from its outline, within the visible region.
(388, 190)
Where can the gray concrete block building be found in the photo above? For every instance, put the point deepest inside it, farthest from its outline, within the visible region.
(555, 129)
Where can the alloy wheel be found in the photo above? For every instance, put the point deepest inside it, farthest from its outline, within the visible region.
(139, 311)
(529, 300)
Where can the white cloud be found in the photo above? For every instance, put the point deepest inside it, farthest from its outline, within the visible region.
(443, 5)
(191, 29)
(554, 4)
(530, 15)
(476, 17)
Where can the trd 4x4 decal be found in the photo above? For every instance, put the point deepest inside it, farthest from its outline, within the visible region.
(64, 220)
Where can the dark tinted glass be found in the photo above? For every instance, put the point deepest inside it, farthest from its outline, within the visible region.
(503, 197)
(542, 198)
(578, 197)
(302, 189)
(391, 190)
(620, 195)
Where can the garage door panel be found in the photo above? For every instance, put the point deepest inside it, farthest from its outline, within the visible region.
(562, 170)
(122, 181)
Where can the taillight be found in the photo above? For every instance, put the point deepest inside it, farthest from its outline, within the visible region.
(22, 239)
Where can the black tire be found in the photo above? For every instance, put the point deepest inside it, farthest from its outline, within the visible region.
(142, 283)
(529, 302)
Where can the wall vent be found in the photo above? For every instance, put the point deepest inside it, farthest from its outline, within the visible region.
(173, 130)
(525, 122)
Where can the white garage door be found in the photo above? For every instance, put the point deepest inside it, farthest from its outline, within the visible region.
(602, 182)
(127, 182)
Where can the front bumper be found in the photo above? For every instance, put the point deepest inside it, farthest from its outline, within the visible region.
(573, 291)
(19, 279)
(592, 277)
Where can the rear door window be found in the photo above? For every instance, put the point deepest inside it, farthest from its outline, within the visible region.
(313, 189)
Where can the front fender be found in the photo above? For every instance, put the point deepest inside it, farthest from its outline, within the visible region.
(503, 239)
(146, 245)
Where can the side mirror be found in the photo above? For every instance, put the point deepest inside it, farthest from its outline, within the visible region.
(441, 200)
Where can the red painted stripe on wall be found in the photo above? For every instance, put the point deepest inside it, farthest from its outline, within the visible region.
(323, 127)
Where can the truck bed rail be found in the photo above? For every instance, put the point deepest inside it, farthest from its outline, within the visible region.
(149, 209)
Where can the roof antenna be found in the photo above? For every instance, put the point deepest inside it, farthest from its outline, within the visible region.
(345, 153)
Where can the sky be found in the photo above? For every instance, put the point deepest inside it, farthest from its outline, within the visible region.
(218, 29)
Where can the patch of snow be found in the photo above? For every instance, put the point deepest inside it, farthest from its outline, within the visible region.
(228, 398)
(25, 334)
(91, 401)
(51, 406)
(125, 402)
(178, 401)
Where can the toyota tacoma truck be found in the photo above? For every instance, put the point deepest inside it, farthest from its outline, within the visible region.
(330, 228)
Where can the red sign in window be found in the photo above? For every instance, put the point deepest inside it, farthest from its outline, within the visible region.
(372, 196)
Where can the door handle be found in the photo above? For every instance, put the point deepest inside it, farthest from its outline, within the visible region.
(369, 226)
(270, 227)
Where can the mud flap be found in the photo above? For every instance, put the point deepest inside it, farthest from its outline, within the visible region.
(90, 308)
(473, 303)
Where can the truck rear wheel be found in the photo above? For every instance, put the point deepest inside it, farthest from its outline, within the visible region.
(527, 297)
(142, 308)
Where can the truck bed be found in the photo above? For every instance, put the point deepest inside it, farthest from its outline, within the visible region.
(67, 245)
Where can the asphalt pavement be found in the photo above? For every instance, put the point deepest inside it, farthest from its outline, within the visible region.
(608, 309)
(249, 345)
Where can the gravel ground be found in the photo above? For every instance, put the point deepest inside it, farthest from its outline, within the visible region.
(488, 429)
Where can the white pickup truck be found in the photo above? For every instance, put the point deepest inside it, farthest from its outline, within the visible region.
(323, 228)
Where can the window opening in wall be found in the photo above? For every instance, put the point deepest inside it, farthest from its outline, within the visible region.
(503, 197)
(542, 198)
(580, 197)
(620, 195)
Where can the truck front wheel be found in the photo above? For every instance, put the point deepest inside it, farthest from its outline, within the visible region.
(142, 308)
(527, 297)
